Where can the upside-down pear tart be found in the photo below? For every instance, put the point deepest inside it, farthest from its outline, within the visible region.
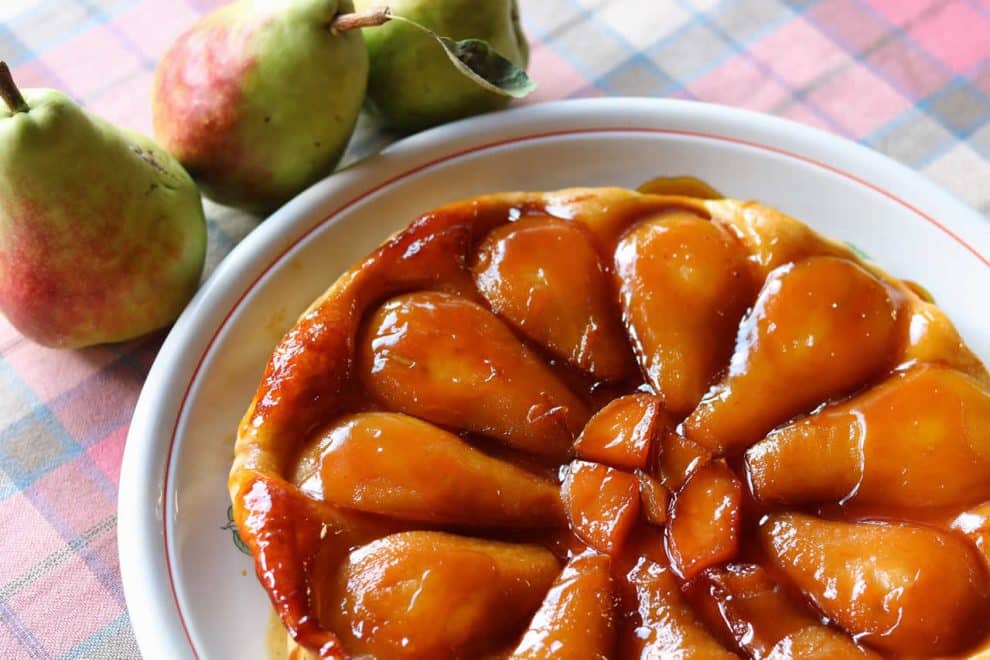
(599, 423)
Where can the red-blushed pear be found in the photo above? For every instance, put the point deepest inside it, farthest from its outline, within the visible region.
(436, 595)
(102, 235)
(900, 588)
(259, 99)
(577, 618)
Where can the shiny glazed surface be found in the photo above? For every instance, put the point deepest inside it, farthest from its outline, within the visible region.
(602, 423)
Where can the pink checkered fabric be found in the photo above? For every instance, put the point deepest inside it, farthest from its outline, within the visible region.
(908, 77)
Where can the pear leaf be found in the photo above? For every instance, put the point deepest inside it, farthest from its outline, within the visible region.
(232, 527)
(477, 60)
(857, 251)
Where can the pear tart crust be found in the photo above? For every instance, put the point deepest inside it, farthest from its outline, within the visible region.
(606, 423)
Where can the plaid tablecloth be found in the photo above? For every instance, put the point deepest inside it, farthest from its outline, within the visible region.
(908, 77)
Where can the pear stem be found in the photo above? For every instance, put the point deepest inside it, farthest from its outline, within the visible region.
(9, 92)
(371, 17)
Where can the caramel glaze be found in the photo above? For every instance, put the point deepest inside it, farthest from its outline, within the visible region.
(315, 376)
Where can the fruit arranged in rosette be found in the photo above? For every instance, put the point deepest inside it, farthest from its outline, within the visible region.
(599, 423)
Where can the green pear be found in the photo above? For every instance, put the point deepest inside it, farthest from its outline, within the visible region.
(412, 84)
(102, 234)
(259, 99)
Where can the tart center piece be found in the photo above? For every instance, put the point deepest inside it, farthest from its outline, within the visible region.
(600, 423)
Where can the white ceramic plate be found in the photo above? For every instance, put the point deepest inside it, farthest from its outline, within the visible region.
(191, 593)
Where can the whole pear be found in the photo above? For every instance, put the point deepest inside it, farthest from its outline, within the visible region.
(259, 99)
(102, 234)
(412, 84)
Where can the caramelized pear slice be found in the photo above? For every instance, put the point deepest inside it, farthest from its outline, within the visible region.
(931, 337)
(975, 524)
(919, 439)
(436, 595)
(900, 588)
(704, 520)
(818, 642)
(285, 532)
(819, 330)
(621, 433)
(684, 284)
(452, 362)
(602, 504)
(668, 627)
(388, 463)
(679, 457)
(654, 498)
(577, 618)
(544, 276)
(761, 618)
